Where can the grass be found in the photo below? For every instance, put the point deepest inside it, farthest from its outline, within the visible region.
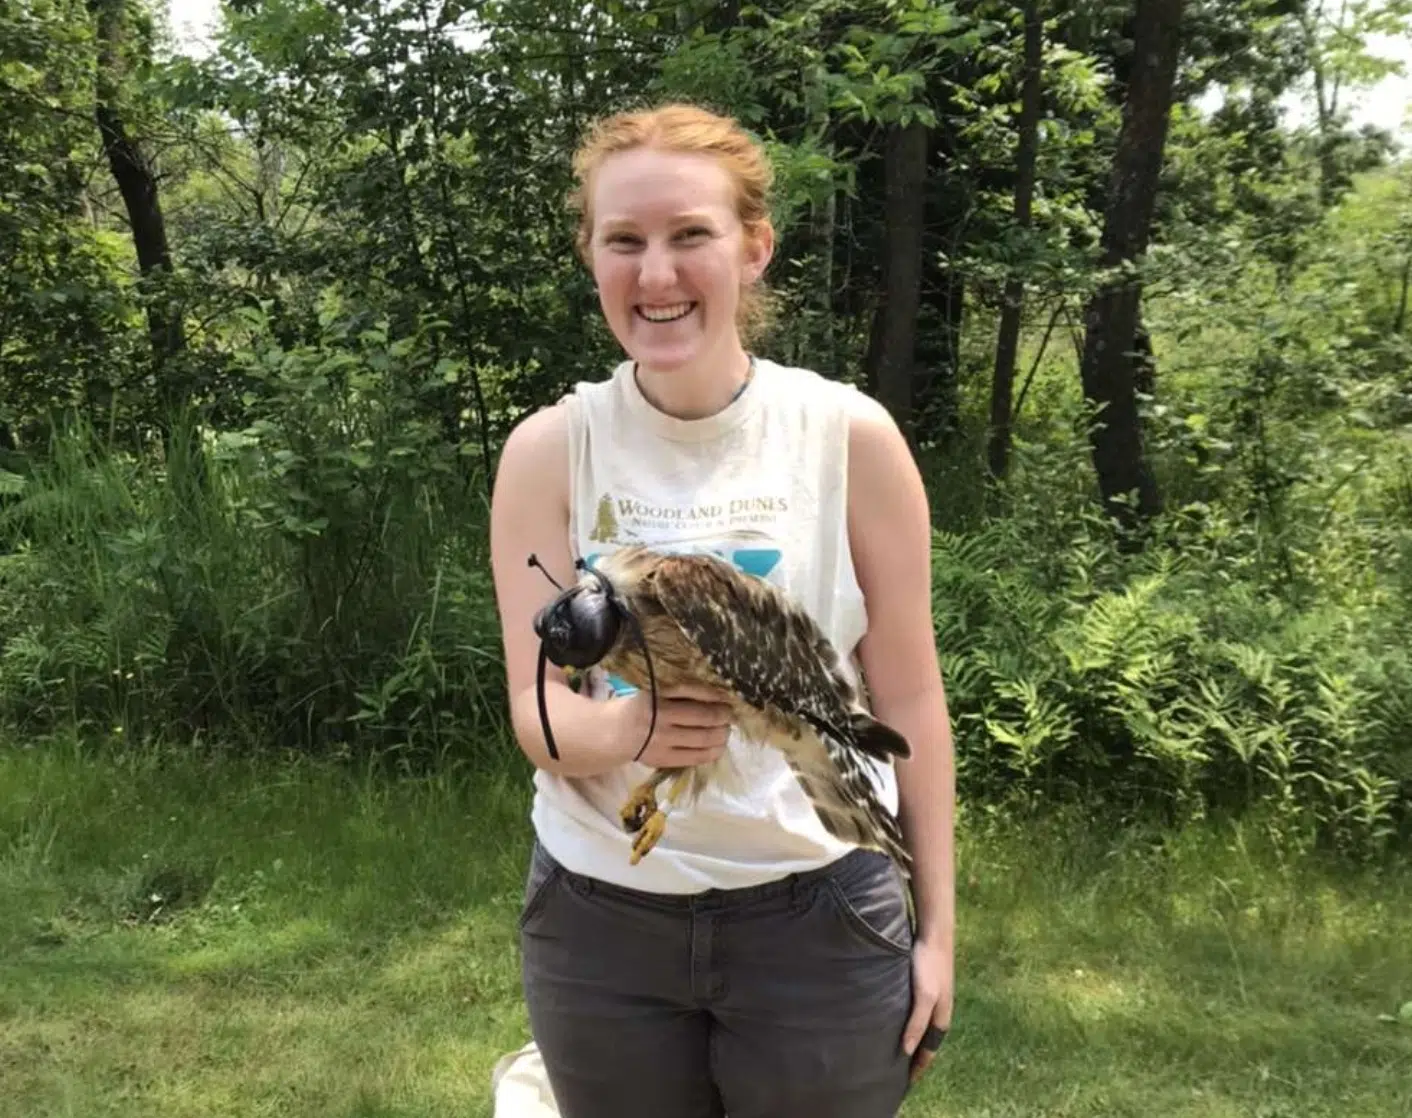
(208, 935)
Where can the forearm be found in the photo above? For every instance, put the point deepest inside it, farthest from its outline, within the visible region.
(927, 800)
(588, 733)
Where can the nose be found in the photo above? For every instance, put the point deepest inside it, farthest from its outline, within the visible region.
(657, 270)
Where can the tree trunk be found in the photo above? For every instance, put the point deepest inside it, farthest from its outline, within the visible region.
(1008, 343)
(138, 185)
(941, 316)
(1111, 319)
(1325, 104)
(892, 350)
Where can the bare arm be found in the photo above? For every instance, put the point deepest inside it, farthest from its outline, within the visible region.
(529, 514)
(890, 531)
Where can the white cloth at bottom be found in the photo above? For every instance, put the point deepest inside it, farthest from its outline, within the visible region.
(521, 1087)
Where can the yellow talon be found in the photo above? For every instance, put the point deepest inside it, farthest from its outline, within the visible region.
(641, 804)
(649, 834)
(641, 813)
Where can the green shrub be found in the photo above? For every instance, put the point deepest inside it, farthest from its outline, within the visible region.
(317, 578)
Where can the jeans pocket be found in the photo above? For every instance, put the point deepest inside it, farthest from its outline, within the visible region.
(544, 871)
(872, 903)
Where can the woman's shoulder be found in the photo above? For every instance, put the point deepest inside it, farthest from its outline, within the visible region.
(544, 429)
(535, 453)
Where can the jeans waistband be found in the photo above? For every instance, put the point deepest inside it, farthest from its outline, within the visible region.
(854, 865)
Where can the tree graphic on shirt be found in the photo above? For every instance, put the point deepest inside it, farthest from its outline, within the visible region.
(605, 527)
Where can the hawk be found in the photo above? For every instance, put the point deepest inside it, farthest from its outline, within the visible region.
(664, 619)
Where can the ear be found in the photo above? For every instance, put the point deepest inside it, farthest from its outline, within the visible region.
(759, 249)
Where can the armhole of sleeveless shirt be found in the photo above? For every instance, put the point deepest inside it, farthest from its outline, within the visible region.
(849, 401)
(574, 424)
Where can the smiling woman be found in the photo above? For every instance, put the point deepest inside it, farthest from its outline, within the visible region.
(753, 963)
(675, 228)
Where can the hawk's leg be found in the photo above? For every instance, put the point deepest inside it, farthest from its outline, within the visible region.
(643, 801)
(657, 822)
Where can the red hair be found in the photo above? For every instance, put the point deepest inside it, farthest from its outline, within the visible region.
(678, 127)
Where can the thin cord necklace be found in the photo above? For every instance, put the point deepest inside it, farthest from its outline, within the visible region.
(749, 376)
(740, 390)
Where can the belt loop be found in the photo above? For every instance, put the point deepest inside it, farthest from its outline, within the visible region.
(798, 894)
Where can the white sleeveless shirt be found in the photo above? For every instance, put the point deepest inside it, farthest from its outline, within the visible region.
(762, 483)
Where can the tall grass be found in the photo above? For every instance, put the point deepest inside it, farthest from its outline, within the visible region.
(316, 578)
(1159, 681)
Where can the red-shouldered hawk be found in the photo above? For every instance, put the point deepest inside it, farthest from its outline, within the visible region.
(657, 619)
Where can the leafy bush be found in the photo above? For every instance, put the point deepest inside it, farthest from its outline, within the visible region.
(317, 578)
(1254, 651)
(1153, 679)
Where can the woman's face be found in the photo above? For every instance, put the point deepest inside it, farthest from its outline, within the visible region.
(670, 257)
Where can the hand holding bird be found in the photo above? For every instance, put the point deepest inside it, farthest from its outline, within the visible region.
(693, 725)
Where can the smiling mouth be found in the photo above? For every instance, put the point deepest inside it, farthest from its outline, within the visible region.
(666, 314)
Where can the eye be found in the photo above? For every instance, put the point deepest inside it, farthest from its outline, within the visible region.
(694, 233)
(623, 240)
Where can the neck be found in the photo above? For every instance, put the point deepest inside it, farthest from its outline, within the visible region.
(698, 391)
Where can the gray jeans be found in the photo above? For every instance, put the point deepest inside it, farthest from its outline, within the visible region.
(785, 1000)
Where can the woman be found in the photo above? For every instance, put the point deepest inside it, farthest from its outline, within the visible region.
(750, 964)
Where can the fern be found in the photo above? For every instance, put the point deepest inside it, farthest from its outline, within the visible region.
(1165, 677)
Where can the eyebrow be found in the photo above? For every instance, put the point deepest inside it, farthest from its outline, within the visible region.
(610, 222)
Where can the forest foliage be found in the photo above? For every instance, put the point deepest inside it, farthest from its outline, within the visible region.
(267, 315)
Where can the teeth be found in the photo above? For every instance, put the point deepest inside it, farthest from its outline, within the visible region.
(665, 314)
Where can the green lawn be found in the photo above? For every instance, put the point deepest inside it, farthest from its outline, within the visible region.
(332, 945)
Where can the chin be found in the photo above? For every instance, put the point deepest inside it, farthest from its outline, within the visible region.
(665, 354)
(665, 359)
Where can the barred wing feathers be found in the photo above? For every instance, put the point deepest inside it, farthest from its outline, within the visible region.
(775, 657)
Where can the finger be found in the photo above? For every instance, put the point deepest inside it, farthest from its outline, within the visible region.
(692, 712)
(922, 1006)
(696, 753)
(698, 692)
(928, 1047)
(699, 737)
(700, 757)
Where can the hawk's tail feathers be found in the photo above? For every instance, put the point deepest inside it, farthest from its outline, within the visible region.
(871, 826)
(891, 840)
(876, 738)
(849, 808)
